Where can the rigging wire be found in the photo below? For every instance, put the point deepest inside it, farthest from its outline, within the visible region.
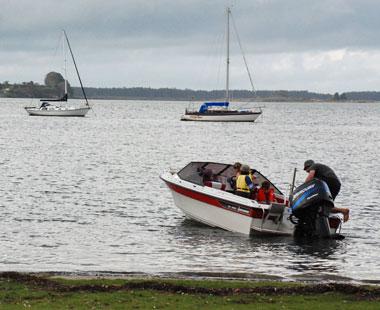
(59, 44)
(242, 51)
(75, 65)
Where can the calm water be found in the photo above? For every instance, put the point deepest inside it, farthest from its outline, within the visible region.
(84, 194)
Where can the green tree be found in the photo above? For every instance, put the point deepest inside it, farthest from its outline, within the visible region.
(53, 79)
(56, 81)
(343, 97)
(336, 97)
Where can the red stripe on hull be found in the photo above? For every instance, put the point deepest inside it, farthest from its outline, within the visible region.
(194, 195)
(255, 213)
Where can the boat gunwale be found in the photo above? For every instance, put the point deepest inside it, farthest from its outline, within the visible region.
(227, 165)
(221, 113)
(196, 188)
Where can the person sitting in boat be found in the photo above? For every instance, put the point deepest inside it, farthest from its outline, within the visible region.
(244, 184)
(253, 177)
(207, 175)
(232, 180)
(237, 167)
(326, 174)
(265, 194)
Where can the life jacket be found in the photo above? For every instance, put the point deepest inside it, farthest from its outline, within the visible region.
(241, 184)
(263, 196)
(251, 176)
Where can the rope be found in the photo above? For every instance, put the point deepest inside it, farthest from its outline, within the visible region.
(242, 51)
(76, 68)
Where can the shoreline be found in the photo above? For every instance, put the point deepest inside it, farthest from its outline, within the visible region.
(25, 290)
(305, 278)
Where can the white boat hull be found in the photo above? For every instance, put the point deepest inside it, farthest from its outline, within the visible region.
(69, 112)
(211, 215)
(218, 208)
(221, 118)
(225, 210)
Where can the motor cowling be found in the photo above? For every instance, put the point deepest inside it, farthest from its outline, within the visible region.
(311, 204)
(310, 194)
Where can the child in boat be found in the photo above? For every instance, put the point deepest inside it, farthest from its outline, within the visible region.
(265, 194)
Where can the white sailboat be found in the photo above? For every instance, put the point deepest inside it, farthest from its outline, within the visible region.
(50, 107)
(220, 111)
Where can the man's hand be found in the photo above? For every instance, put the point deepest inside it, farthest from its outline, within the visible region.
(310, 176)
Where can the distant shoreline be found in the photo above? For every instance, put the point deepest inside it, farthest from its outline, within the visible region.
(260, 100)
(34, 90)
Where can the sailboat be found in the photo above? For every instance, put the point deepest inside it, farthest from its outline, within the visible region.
(220, 111)
(50, 107)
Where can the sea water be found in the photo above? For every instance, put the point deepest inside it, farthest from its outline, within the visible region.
(84, 194)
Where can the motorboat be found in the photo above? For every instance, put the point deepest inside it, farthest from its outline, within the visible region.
(220, 111)
(203, 192)
(58, 106)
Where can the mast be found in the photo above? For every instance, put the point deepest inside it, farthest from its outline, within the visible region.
(65, 64)
(76, 68)
(228, 56)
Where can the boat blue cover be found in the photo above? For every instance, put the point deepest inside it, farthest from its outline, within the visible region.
(204, 107)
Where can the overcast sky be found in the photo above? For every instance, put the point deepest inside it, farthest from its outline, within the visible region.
(322, 46)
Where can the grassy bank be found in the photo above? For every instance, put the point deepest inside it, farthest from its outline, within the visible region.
(20, 291)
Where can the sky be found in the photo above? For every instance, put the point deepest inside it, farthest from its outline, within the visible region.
(322, 46)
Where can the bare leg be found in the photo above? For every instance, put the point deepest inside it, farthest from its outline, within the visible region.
(344, 211)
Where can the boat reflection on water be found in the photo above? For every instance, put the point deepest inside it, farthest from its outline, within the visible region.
(268, 257)
(317, 260)
(319, 248)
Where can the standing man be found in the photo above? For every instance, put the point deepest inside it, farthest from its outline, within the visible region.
(325, 173)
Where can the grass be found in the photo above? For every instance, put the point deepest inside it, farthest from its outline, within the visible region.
(23, 291)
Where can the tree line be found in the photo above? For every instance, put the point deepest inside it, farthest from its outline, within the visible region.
(54, 85)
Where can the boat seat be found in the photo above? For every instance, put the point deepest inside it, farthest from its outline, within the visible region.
(275, 214)
(216, 185)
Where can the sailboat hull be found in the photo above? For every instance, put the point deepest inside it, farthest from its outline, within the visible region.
(221, 117)
(63, 112)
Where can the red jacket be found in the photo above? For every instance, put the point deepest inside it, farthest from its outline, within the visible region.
(263, 196)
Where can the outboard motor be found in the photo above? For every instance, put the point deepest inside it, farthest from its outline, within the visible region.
(311, 204)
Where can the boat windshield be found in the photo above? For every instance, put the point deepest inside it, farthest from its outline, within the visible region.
(195, 172)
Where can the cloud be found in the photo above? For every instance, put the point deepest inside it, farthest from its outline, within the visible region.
(289, 44)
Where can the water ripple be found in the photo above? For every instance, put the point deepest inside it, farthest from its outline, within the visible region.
(83, 195)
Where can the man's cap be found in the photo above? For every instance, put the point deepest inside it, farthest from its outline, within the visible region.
(308, 164)
(244, 169)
